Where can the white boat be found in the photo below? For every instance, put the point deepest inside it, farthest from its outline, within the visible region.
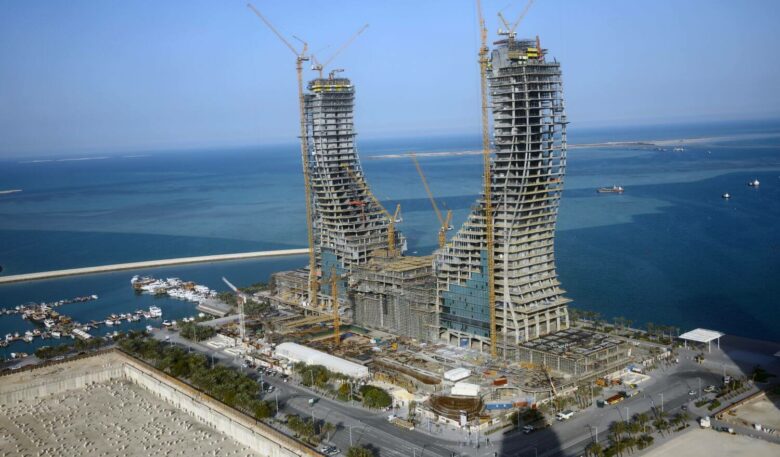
(155, 311)
(166, 324)
(56, 335)
(109, 322)
(726, 195)
(754, 183)
(28, 338)
(48, 323)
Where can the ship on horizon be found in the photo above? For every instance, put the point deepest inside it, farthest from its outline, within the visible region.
(611, 190)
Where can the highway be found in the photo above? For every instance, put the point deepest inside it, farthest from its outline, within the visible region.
(149, 264)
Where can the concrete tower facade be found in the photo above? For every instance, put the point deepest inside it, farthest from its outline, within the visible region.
(348, 224)
(529, 134)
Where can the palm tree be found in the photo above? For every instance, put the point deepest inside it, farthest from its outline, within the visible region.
(642, 419)
(616, 430)
(594, 449)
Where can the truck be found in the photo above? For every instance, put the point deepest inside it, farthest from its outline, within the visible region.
(564, 415)
(704, 422)
(398, 422)
(617, 398)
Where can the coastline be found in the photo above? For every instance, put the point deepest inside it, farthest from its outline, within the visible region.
(148, 264)
(633, 144)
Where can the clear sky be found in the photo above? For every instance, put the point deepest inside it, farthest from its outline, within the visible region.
(106, 75)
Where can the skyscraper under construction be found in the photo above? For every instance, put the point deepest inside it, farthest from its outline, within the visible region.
(529, 132)
(349, 224)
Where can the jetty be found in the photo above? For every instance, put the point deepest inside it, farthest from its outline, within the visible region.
(149, 264)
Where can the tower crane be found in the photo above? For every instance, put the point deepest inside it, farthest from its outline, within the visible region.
(319, 67)
(393, 218)
(301, 57)
(510, 29)
(444, 223)
(488, 181)
(242, 298)
(334, 293)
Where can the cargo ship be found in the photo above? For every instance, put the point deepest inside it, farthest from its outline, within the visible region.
(610, 190)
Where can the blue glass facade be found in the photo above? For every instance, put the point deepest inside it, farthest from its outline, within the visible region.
(465, 307)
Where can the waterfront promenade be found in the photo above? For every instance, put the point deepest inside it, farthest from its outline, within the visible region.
(150, 264)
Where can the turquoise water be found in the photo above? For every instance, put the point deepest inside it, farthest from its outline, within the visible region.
(670, 250)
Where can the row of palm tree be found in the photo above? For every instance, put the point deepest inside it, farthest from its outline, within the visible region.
(636, 434)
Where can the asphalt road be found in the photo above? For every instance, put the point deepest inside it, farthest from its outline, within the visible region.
(668, 388)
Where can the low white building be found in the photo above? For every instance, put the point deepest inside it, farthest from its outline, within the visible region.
(298, 353)
(465, 389)
(457, 374)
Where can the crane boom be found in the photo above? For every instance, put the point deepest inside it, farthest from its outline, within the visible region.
(271, 26)
(510, 29)
(345, 45)
(427, 188)
(444, 223)
(392, 218)
(301, 57)
(241, 303)
(483, 63)
(319, 67)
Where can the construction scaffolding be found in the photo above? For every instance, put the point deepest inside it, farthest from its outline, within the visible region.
(577, 352)
(348, 224)
(397, 295)
(529, 132)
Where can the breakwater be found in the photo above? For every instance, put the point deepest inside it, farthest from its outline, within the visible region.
(149, 264)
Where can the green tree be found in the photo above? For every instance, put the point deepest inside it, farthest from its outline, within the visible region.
(263, 410)
(359, 451)
(375, 397)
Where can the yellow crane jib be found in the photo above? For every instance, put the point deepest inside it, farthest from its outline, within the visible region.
(393, 218)
(301, 57)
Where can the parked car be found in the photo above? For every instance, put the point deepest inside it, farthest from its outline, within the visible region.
(709, 389)
(692, 393)
(528, 429)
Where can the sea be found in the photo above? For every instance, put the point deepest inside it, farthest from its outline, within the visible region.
(668, 251)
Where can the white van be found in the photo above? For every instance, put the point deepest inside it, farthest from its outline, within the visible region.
(564, 415)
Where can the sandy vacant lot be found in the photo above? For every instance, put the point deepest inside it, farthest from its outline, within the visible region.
(709, 443)
(761, 411)
(110, 419)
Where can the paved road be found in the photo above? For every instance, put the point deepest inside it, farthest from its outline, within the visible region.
(668, 388)
(368, 428)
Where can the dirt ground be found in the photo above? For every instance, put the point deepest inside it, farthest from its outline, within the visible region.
(709, 443)
(761, 411)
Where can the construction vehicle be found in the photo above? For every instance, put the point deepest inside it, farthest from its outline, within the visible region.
(393, 218)
(301, 57)
(444, 223)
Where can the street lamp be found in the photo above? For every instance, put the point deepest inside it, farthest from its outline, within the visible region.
(662, 401)
(591, 427)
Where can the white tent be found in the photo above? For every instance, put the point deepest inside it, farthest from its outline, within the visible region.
(299, 353)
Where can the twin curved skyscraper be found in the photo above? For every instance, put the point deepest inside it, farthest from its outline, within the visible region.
(351, 230)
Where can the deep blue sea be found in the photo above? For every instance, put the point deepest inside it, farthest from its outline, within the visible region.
(670, 250)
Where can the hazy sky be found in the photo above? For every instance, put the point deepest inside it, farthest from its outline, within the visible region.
(105, 75)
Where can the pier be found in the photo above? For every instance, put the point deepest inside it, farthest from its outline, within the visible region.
(149, 264)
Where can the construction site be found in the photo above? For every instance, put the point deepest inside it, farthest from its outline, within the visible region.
(488, 301)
